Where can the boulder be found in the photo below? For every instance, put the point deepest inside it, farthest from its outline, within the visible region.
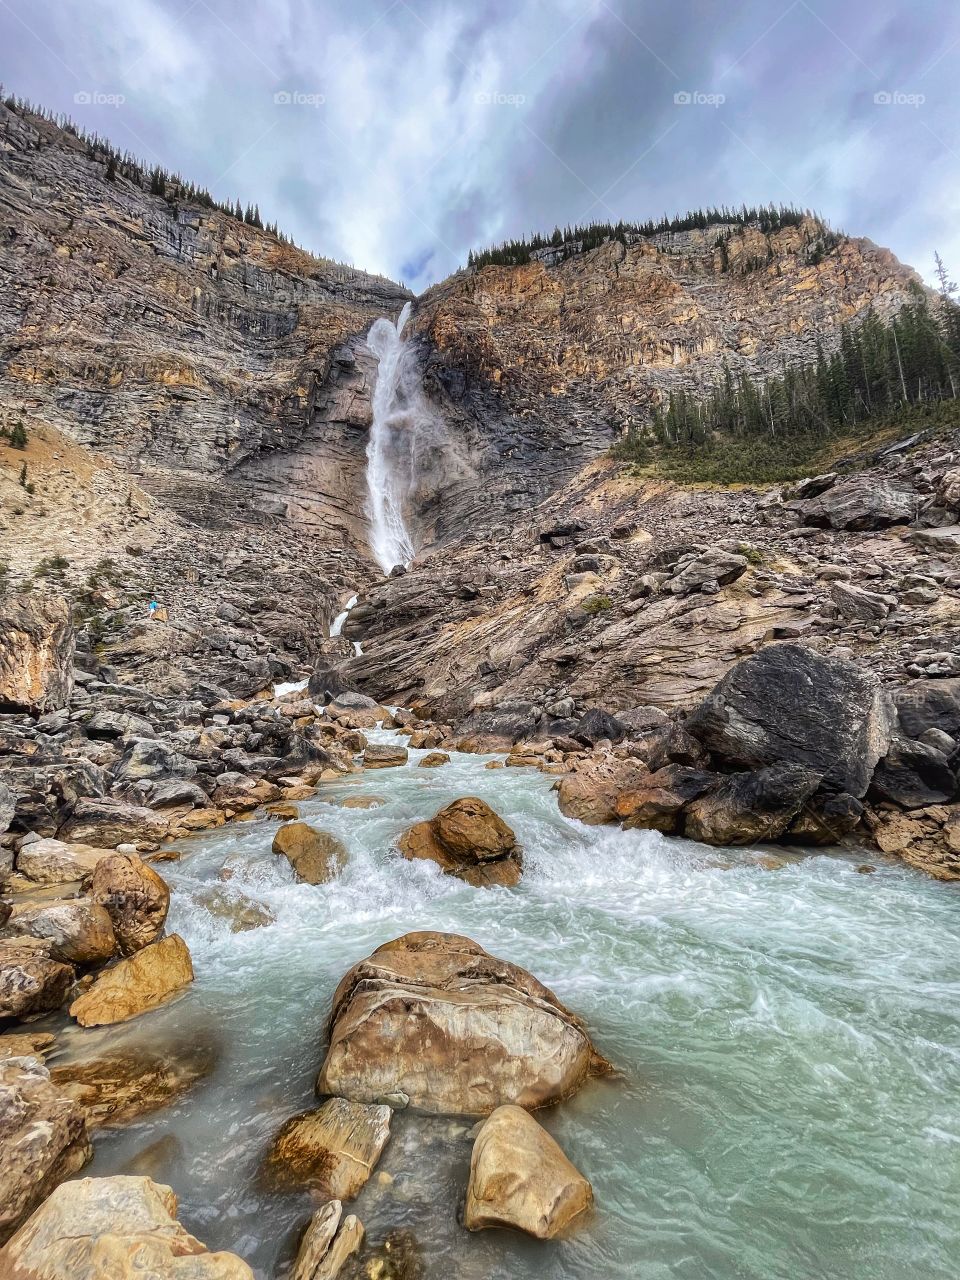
(929, 704)
(36, 652)
(326, 683)
(316, 856)
(102, 820)
(863, 502)
(327, 1244)
(31, 981)
(596, 724)
(914, 776)
(118, 1228)
(825, 819)
(333, 1150)
(590, 794)
(150, 759)
(788, 704)
(8, 807)
(50, 861)
(384, 755)
(434, 759)
(468, 840)
(856, 604)
(133, 986)
(748, 807)
(457, 1031)
(658, 803)
(134, 896)
(78, 931)
(520, 1178)
(696, 571)
(43, 1139)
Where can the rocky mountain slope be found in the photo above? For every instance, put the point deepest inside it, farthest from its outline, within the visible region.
(542, 366)
(197, 395)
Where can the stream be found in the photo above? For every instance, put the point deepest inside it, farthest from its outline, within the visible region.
(789, 1042)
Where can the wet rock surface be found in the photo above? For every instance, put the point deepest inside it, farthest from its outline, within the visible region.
(122, 1227)
(43, 1140)
(468, 840)
(520, 1178)
(436, 1018)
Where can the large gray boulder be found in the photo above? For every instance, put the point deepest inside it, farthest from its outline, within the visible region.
(790, 705)
(863, 502)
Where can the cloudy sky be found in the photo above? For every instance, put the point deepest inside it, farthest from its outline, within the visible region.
(398, 134)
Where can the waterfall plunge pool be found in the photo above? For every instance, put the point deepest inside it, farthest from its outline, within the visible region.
(789, 1042)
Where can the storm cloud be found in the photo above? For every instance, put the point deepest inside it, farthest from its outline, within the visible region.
(399, 134)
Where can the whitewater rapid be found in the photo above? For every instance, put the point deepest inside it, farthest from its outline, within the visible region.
(789, 1042)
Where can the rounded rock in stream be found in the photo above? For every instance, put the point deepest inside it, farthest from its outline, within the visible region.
(468, 840)
(384, 755)
(135, 897)
(519, 1177)
(458, 1031)
(316, 856)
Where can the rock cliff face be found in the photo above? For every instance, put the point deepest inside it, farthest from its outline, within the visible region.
(542, 365)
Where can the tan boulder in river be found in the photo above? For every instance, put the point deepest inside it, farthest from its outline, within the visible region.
(118, 1228)
(520, 1178)
(334, 1149)
(130, 987)
(434, 1017)
(468, 840)
(316, 856)
(134, 896)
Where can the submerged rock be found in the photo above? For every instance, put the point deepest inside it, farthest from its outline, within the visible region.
(120, 1087)
(334, 1149)
(133, 986)
(119, 1228)
(316, 856)
(520, 1178)
(242, 912)
(468, 840)
(458, 1031)
(43, 1139)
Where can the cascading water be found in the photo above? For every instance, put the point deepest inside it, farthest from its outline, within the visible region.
(396, 401)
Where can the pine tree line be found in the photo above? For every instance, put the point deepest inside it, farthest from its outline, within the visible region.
(581, 239)
(171, 187)
(876, 368)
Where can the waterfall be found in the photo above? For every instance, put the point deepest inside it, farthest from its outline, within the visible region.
(397, 407)
(411, 457)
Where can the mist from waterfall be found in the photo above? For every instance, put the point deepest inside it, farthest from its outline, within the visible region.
(412, 459)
